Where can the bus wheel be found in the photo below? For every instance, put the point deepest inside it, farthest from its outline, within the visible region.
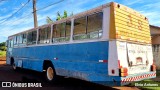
(14, 66)
(50, 73)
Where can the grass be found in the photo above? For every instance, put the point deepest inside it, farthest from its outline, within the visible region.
(2, 53)
(147, 84)
(148, 81)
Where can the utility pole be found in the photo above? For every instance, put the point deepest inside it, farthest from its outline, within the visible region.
(35, 14)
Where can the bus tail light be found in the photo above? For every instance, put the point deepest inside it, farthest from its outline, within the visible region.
(153, 67)
(123, 72)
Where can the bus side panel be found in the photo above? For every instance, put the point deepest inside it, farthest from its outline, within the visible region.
(27, 58)
(80, 60)
(113, 59)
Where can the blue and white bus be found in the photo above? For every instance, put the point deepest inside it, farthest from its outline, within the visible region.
(107, 44)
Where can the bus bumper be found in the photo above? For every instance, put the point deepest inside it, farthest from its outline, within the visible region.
(137, 77)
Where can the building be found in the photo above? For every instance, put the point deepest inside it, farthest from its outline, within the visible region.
(155, 33)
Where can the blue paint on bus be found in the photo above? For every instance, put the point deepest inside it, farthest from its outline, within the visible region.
(80, 60)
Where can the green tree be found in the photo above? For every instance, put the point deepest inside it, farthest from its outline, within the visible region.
(49, 20)
(59, 16)
(2, 46)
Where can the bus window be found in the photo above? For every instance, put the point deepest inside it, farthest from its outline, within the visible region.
(68, 30)
(24, 38)
(93, 28)
(80, 28)
(44, 35)
(31, 37)
(15, 41)
(11, 43)
(94, 25)
(20, 39)
(61, 32)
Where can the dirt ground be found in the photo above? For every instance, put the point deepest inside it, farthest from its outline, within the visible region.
(2, 60)
(23, 75)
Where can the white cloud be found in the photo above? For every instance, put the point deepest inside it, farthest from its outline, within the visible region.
(132, 2)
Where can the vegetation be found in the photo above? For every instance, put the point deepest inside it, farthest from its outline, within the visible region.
(2, 46)
(49, 20)
(2, 49)
(148, 84)
(59, 16)
(2, 53)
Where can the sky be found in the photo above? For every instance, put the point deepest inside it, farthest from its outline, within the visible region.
(12, 22)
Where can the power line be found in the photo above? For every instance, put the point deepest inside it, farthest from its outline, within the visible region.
(16, 12)
(2, 0)
(50, 5)
(31, 12)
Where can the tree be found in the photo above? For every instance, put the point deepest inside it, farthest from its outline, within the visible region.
(2, 46)
(49, 20)
(59, 16)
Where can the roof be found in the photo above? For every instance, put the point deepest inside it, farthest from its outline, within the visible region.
(154, 26)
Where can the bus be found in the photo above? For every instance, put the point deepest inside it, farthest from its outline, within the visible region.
(109, 45)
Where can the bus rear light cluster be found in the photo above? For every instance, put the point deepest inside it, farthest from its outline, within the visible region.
(153, 67)
(113, 72)
(123, 72)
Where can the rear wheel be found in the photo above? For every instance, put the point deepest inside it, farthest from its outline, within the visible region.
(50, 74)
(14, 66)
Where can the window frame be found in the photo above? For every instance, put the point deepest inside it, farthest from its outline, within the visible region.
(47, 37)
(32, 42)
(65, 37)
(86, 36)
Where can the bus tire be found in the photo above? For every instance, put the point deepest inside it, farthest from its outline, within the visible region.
(50, 74)
(14, 67)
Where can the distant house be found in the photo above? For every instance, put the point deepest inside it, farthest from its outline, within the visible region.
(155, 33)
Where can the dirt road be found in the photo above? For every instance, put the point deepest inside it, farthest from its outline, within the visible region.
(23, 75)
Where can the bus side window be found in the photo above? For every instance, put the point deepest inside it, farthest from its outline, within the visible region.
(15, 41)
(88, 27)
(68, 30)
(24, 38)
(20, 39)
(94, 25)
(79, 29)
(61, 32)
(11, 43)
(44, 35)
(31, 37)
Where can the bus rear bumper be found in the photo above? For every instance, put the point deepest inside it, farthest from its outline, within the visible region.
(137, 77)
